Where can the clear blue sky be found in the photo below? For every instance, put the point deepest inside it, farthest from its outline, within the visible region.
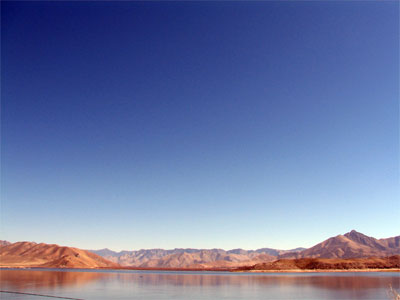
(199, 124)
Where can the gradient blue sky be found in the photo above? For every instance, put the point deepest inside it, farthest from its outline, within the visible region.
(199, 124)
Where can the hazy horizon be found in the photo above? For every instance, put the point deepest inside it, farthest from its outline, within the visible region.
(138, 125)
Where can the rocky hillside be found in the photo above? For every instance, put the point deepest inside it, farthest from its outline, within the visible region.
(350, 245)
(29, 254)
(197, 258)
(392, 262)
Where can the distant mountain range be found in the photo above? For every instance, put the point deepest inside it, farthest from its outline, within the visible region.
(4, 243)
(180, 258)
(350, 245)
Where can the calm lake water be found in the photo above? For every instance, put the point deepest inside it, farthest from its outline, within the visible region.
(97, 285)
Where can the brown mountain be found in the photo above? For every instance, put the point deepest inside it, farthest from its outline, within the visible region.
(392, 262)
(196, 258)
(29, 254)
(229, 264)
(206, 259)
(393, 242)
(350, 245)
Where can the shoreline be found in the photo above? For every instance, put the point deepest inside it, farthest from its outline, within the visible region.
(320, 271)
(395, 270)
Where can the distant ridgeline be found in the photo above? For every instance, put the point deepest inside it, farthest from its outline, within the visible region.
(350, 245)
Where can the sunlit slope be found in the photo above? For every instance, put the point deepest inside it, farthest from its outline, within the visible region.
(29, 254)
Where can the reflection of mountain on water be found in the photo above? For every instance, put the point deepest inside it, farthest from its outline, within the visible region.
(354, 287)
(343, 282)
(19, 279)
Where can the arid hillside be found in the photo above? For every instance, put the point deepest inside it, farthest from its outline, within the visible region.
(207, 259)
(198, 258)
(29, 254)
(350, 245)
(392, 262)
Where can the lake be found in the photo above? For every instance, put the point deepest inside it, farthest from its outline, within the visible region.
(97, 285)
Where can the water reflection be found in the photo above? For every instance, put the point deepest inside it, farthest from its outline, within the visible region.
(170, 285)
(318, 280)
(20, 279)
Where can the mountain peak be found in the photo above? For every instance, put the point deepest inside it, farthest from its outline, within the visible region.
(355, 234)
(353, 244)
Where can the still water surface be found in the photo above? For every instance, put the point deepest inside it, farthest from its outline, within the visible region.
(146, 285)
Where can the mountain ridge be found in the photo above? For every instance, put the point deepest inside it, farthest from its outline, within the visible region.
(350, 245)
(343, 246)
(391, 262)
(158, 257)
(31, 254)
